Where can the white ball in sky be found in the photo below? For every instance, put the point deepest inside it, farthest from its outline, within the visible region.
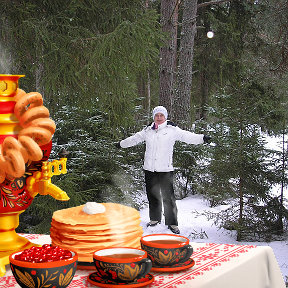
(210, 34)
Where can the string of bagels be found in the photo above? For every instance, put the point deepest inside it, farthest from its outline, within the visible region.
(37, 129)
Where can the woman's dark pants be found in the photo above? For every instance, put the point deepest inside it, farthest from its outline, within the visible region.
(159, 186)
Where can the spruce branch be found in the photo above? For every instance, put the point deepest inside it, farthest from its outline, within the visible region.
(212, 3)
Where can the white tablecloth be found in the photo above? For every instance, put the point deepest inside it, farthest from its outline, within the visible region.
(217, 266)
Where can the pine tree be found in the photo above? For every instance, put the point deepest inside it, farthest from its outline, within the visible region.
(239, 167)
(183, 83)
(180, 57)
(82, 52)
(271, 21)
(168, 53)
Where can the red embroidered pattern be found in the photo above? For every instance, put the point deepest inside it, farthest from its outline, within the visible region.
(31, 236)
(37, 238)
(80, 281)
(208, 257)
(8, 282)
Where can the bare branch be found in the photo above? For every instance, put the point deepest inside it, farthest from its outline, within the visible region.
(212, 3)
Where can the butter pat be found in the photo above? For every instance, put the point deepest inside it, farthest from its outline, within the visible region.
(93, 208)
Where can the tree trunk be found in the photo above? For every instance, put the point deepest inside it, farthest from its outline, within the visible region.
(181, 108)
(39, 76)
(148, 87)
(241, 193)
(142, 93)
(279, 222)
(241, 208)
(204, 93)
(148, 96)
(169, 18)
(6, 57)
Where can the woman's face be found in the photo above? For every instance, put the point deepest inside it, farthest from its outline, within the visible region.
(159, 118)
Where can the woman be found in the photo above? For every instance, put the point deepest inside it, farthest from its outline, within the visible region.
(160, 138)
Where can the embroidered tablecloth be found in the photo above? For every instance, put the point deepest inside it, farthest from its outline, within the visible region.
(216, 266)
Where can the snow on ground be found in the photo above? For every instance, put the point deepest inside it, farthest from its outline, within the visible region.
(191, 226)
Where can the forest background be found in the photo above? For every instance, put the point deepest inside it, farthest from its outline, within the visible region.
(102, 66)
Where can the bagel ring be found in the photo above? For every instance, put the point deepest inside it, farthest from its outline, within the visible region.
(31, 147)
(39, 135)
(32, 114)
(45, 123)
(3, 165)
(10, 143)
(37, 130)
(31, 100)
(15, 163)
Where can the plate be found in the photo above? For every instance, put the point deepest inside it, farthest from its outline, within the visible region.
(97, 280)
(177, 267)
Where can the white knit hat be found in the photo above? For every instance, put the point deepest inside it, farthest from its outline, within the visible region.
(160, 109)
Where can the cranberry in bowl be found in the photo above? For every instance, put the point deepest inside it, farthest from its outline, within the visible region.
(44, 265)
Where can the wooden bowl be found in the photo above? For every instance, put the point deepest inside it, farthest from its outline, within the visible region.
(46, 274)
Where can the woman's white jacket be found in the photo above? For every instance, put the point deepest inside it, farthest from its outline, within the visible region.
(160, 143)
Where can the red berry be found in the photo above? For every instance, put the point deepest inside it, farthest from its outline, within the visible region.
(67, 254)
(46, 253)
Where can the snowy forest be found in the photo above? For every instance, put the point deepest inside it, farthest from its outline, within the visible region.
(219, 67)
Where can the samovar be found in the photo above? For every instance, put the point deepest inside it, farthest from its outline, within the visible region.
(25, 145)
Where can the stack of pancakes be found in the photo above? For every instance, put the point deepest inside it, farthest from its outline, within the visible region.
(118, 226)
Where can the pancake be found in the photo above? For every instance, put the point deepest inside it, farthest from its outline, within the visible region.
(118, 226)
(97, 245)
(115, 214)
(95, 238)
(98, 229)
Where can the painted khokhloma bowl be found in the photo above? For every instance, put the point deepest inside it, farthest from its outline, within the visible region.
(55, 274)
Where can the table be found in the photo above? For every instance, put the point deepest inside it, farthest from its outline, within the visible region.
(217, 266)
